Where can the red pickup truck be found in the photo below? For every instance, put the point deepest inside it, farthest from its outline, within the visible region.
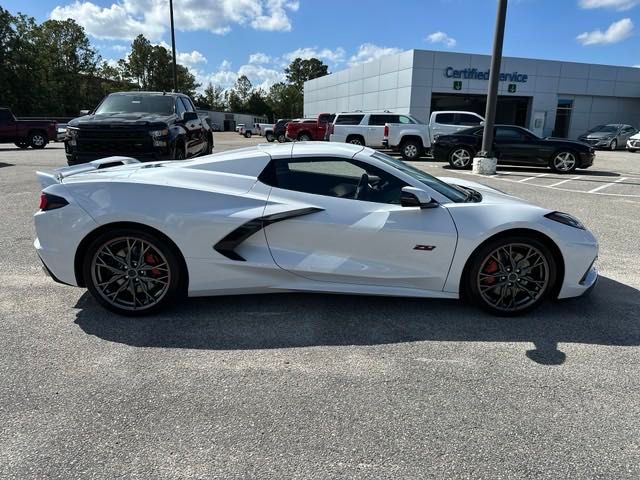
(26, 133)
(304, 130)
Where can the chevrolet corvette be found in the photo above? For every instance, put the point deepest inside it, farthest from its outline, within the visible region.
(302, 217)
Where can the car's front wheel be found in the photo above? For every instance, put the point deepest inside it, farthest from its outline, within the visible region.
(132, 272)
(38, 140)
(460, 158)
(614, 145)
(511, 275)
(304, 137)
(247, 134)
(564, 162)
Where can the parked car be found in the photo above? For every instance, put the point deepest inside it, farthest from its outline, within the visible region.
(633, 144)
(611, 136)
(309, 129)
(26, 133)
(239, 127)
(514, 146)
(314, 217)
(263, 128)
(369, 129)
(142, 125)
(280, 129)
(247, 130)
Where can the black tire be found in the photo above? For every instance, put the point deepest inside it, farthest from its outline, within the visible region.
(209, 150)
(304, 137)
(270, 137)
(564, 161)
(411, 150)
(38, 140)
(179, 152)
(162, 285)
(355, 140)
(247, 134)
(632, 150)
(475, 288)
(460, 158)
(614, 145)
(22, 145)
(282, 138)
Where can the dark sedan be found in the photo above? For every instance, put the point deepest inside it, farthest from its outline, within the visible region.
(514, 146)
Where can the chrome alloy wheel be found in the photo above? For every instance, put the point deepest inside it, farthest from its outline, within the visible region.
(513, 277)
(38, 140)
(410, 150)
(461, 157)
(564, 162)
(130, 273)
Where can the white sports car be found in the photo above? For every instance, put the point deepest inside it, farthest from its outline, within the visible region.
(312, 217)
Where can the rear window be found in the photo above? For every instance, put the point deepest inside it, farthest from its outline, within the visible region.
(348, 119)
(382, 119)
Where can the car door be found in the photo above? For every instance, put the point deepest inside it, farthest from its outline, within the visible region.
(7, 126)
(195, 130)
(443, 124)
(514, 145)
(627, 132)
(340, 239)
(375, 129)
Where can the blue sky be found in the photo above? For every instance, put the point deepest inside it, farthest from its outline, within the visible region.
(220, 39)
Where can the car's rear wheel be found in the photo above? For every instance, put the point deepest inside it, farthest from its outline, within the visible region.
(270, 137)
(131, 272)
(247, 134)
(460, 158)
(282, 138)
(22, 145)
(304, 137)
(511, 275)
(563, 162)
(355, 140)
(38, 140)
(411, 149)
(614, 145)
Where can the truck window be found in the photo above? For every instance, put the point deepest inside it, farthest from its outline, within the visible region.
(468, 120)
(349, 119)
(180, 108)
(187, 104)
(405, 119)
(382, 119)
(6, 116)
(445, 118)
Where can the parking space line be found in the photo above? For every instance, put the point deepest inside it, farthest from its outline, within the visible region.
(601, 187)
(565, 181)
(531, 178)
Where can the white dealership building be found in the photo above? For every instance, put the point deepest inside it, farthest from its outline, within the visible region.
(562, 99)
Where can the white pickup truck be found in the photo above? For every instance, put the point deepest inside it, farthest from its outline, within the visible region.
(413, 139)
(266, 130)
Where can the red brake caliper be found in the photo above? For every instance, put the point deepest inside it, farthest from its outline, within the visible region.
(490, 267)
(151, 260)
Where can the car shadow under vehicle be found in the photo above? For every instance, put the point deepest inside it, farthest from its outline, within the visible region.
(531, 169)
(3, 164)
(608, 316)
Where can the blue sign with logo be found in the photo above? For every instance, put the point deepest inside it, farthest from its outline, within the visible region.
(475, 74)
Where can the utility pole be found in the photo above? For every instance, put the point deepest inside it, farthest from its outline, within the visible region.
(173, 48)
(485, 163)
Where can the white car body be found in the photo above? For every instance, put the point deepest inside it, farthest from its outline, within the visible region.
(303, 241)
(264, 128)
(369, 129)
(447, 122)
(633, 144)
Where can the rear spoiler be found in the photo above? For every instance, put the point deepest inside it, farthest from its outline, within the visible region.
(59, 174)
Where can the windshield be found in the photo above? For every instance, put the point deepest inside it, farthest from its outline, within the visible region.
(439, 186)
(605, 128)
(159, 104)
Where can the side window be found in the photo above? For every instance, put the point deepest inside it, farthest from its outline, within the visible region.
(468, 120)
(349, 119)
(5, 116)
(445, 118)
(334, 177)
(405, 119)
(187, 104)
(509, 134)
(180, 107)
(380, 120)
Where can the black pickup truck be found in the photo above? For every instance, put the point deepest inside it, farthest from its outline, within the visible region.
(146, 126)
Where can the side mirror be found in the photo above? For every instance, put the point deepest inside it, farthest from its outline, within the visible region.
(84, 112)
(416, 197)
(482, 123)
(189, 116)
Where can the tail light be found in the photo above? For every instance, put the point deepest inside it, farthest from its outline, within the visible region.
(386, 131)
(51, 202)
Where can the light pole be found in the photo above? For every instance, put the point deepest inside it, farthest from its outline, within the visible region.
(173, 49)
(485, 163)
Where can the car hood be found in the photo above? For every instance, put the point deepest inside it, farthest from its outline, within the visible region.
(489, 194)
(120, 120)
(598, 135)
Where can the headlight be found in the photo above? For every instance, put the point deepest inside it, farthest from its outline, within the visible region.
(566, 219)
(72, 135)
(159, 133)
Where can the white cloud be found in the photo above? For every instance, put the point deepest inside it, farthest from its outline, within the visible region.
(616, 32)
(368, 52)
(334, 56)
(443, 38)
(261, 76)
(125, 19)
(615, 4)
(119, 48)
(259, 57)
(190, 59)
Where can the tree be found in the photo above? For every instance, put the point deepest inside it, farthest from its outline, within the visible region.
(285, 100)
(299, 71)
(213, 98)
(258, 104)
(243, 89)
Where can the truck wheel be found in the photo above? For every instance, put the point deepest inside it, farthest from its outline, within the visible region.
(411, 150)
(282, 138)
(38, 140)
(247, 134)
(304, 137)
(355, 140)
(270, 137)
(209, 145)
(22, 145)
(179, 152)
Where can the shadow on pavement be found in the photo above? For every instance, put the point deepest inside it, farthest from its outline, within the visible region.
(516, 169)
(609, 316)
(2, 164)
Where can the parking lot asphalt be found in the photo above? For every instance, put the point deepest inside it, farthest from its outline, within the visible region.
(325, 386)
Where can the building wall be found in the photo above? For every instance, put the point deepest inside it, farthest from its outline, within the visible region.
(403, 83)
